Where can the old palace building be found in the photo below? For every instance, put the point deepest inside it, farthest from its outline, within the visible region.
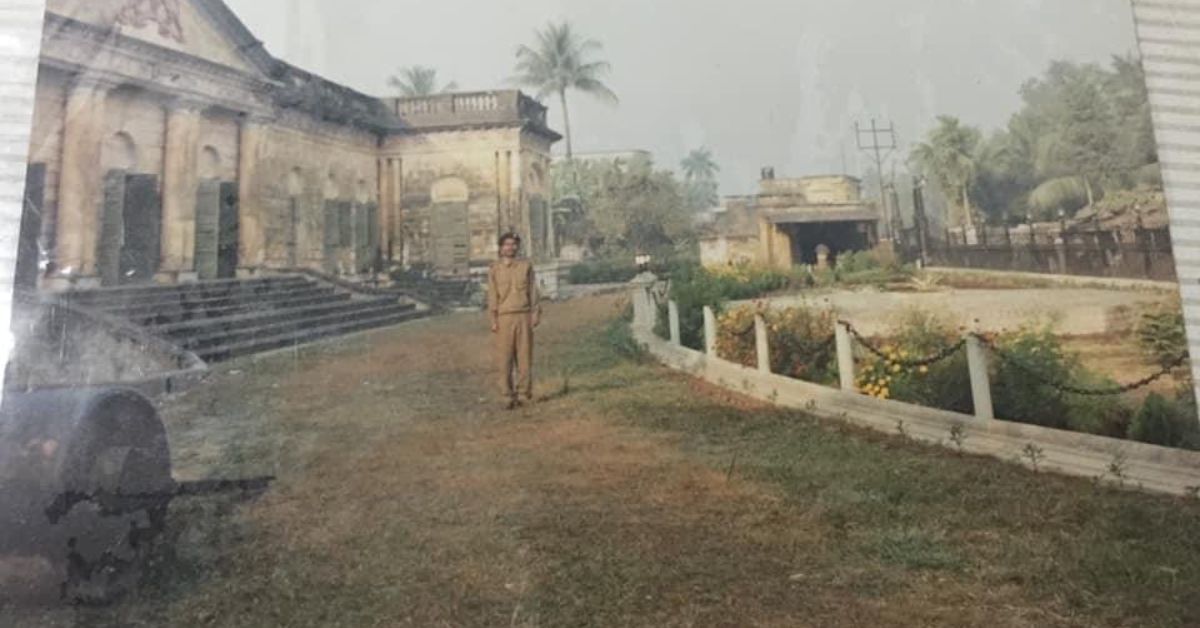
(169, 145)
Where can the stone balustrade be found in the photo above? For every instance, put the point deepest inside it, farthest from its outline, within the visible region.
(491, 107)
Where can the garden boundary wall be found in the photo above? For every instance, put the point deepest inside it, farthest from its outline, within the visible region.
(1124, 463)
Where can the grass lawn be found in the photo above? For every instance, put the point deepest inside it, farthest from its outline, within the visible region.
(630, 496)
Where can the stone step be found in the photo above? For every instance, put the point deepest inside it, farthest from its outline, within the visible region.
(276, 327)
(205, 300)
(182, 312)
(260, 344)
(229, 324)
(112, 297)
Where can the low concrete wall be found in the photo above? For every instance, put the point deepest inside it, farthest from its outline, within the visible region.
(1128, 463)
(1075, 281)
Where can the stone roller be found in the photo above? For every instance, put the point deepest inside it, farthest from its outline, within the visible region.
(85, 483)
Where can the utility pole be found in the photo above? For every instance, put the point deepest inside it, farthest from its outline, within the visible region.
(877, 148)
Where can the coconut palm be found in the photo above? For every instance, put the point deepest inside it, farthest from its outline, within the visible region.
(562, 60)
(949, 157)
(418, 80)
(699, 165)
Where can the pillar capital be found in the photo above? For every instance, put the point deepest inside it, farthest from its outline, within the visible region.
(186, 105)
(257, 118)
(91, 82)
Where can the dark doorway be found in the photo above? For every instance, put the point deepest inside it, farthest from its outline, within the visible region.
(227, 240)
(362, 238)
(130, 229)
(371, 262)
(451, 238)
(208, 217)
(292, 235)
(28, 251)
(112, 221)
(333, 235)
(142, 229)
(840, 237)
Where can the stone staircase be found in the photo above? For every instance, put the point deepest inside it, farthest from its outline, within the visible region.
(447, 293)
(223, 319)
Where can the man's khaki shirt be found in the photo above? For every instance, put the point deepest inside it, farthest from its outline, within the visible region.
(512, 288)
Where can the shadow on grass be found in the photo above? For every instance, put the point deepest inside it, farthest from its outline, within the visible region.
(1084, 549)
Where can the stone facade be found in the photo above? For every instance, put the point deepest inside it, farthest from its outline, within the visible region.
(169, 145)
(789, 221)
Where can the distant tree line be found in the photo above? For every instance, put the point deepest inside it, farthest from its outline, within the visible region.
(1083, 131)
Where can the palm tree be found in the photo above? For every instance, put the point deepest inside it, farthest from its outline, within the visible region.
(949, 157)
(699, 165)
(559, 61)
(418, 80)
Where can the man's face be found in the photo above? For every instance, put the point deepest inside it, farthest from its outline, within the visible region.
(509, 248)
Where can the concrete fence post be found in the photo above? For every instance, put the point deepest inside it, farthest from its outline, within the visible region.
(845, 355)
(1060, 251)
(673, 320)
(762, 344)
(640, 305)
(981, 390)
(710, 332)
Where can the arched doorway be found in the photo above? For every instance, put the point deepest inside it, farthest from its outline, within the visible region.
(131, 216)
(295, 188)
(449, 227)
(216, 245)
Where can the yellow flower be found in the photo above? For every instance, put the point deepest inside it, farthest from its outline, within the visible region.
(884, 393)
(895, 368)
(923, 370)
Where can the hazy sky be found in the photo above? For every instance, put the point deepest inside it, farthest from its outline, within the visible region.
(761, 82)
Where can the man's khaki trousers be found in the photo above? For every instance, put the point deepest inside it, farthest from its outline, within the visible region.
(514, 351)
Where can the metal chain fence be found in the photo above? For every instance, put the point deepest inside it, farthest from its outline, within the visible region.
(1077, 390)
(930, 360)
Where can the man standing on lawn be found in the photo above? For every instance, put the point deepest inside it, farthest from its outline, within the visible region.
(514, 310)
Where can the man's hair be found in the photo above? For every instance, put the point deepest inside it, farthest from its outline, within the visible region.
(510, 236)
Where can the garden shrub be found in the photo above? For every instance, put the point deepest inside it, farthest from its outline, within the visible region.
(1161, 335)
(918, 334)
(1168, 422)
(693, 287)
(1104, 415)
(602, 271)
(800, 340)
(1025, 394)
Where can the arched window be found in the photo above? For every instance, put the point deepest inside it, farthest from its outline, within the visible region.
(210, 163)
(120, 152)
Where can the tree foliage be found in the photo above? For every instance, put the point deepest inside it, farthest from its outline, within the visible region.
(1083, 130)
(622, 206)
(559, 61)
(700, 179)
(949, 156)
(418, 80)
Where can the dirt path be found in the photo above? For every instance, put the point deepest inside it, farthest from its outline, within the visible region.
(628, 497)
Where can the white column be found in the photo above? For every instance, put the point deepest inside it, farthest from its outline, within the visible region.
(762, 344)
(981, 391)
(710, 332)
(845, 356)
(673, 321)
